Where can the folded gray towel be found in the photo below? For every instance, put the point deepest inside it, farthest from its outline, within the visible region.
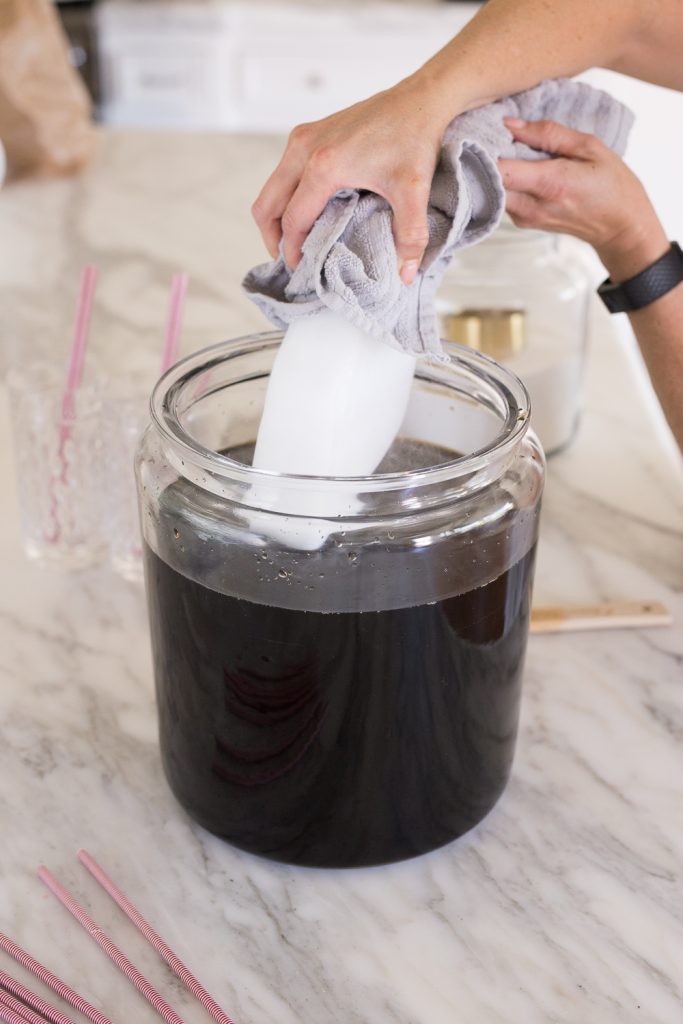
(349, 261)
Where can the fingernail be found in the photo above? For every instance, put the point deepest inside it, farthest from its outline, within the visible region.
(514, 122)
(409, 271)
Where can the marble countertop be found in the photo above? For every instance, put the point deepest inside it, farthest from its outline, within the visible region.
(564, 905)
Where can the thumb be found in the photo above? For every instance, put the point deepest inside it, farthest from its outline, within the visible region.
(411, 230)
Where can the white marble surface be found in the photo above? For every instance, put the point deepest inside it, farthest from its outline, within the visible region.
(564, 906)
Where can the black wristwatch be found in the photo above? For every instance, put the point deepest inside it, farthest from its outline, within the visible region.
(647, 286)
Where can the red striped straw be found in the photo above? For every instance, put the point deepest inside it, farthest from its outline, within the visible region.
(23, 1011)
(112, 951)
(175, 321)
(73, 379)
(9, 1015)
(53, 982)
(48, 1011)
(176, 965)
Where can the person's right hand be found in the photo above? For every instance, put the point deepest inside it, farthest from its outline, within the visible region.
(586, 191)
(388, 144)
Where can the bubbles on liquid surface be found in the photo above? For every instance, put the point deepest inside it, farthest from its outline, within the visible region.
(406, 455)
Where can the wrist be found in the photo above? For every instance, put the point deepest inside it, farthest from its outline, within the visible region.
(649, 285)
(438, 93)
(632, 250)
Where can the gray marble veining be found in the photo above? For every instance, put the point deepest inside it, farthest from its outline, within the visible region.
(564, 905)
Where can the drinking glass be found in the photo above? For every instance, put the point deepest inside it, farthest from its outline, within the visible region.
(127, 405)
(58, 447)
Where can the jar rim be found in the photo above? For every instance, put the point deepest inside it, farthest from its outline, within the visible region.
(170, 387)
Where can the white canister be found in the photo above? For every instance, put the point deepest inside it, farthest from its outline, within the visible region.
(520, 298)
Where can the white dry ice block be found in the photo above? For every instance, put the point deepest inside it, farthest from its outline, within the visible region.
(335, 402)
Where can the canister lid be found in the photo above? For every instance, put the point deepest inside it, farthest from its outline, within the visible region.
(499, 333)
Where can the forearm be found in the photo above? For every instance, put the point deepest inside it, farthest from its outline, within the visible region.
(511, 45)
(659, 330)
(659, 326)
(589, 192)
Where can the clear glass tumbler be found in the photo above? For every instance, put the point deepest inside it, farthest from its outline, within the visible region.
(127, 405)
(339, 660)
(60, 470)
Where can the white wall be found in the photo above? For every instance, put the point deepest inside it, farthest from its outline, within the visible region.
(655, 150)
(259, 65)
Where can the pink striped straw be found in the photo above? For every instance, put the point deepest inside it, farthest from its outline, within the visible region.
(48, 1011)
(175, 321)
(80, 340)
(9, 1015)
(73, 379)
(21, 1009)
(112, 951)
(53, 982)
(176, 965)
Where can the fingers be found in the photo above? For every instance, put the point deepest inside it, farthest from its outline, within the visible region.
(308, 200)
(309, 174)
(324, 175)
(411, 229)
(554, 138)
(550, 180)
(272, 201)
(302, 211)
(544, 179)
(525, 210)
(524, 176)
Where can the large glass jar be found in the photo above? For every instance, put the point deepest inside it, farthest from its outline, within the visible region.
(338, 660)
(521, 297)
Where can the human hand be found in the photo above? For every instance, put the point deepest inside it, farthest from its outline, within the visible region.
(388, 144)
(586, 191)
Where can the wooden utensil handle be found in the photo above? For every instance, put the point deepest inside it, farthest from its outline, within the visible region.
(610, 615)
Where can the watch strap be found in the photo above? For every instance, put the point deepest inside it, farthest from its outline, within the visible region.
(647, 286)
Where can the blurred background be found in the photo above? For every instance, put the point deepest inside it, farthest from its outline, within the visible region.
(265, 65)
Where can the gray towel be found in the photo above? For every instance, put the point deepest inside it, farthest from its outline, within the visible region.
(349, 261)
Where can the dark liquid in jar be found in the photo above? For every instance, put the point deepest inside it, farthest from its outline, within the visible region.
(337, 739)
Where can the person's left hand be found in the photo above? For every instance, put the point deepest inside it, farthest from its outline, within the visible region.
(586, 191)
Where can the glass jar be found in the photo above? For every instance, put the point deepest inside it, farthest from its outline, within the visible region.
(338, 661)
(520, 298)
